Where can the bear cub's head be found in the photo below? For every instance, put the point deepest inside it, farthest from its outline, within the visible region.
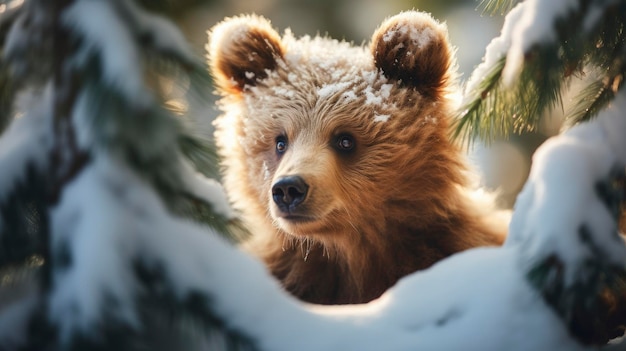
(321, 137)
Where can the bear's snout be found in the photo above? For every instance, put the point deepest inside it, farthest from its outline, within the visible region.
(288, 192)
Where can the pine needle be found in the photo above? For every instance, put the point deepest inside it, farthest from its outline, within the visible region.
(497, 6)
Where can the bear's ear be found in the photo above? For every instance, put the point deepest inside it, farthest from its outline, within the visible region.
(413, 48)
(241, 50)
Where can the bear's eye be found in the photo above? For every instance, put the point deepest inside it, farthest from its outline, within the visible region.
(345, 142)
(281, 144)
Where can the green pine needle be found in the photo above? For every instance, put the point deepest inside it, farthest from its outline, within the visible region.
(495, 111)
(497, 6)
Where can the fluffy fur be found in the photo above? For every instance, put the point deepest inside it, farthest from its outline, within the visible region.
(366, 130)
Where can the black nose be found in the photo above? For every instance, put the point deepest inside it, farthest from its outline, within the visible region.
(288, 192)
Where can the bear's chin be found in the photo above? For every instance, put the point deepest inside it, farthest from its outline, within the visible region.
(304, 226)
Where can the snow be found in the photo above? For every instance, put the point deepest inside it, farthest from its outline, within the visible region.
(549, 210)
(207, 189)
(536, 25)
(495, 51)
(371, 98)
(108, 36)
(420, 37)
(83, 125)
(284, 92)
(421, 312)
(423, 37)
(332, 89)
(98, 238)
(381, 118)
(26, 140)
(103, 238)
(349, 96)
(529, 23)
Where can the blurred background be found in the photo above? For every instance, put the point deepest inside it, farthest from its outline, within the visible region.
(503, 165)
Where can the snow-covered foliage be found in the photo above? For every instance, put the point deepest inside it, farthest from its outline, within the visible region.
(549, 208)
(119, 243)
(544, 47)
(27, 141)
(531, 23)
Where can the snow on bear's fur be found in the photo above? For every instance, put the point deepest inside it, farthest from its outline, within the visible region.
(338, 157)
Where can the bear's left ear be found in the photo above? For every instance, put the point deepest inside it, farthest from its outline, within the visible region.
(413, 48)
(241, 50)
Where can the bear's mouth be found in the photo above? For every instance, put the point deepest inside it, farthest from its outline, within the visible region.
(294, 218)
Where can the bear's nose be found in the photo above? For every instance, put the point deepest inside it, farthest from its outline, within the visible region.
(288, 192)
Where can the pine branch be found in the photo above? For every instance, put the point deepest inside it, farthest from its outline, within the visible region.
(580, 42)
(498, 6)
(8, 15)
(607, 54)
(24, 221)
(194, 305)
(590, 101)
(201, 154)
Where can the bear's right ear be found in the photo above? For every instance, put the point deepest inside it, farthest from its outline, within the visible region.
(413, 48)
(241, 50)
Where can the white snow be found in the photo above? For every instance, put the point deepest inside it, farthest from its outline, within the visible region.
(207, 189)
(560, 195)
(371, 98)
(284, 92)
(83, 125)
(331, 89)
(381, 118)
(349, 96)
(27, 140)
(95, 223)
(109, 36)
(422, 37)
(496, 49)
(536, 25)
(106, 218)
(529, 23)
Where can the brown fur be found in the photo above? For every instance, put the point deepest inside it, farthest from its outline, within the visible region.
(396, 203)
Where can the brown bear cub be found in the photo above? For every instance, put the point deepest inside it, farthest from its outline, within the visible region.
(338, 157)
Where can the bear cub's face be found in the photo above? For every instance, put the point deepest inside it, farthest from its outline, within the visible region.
(325, 126)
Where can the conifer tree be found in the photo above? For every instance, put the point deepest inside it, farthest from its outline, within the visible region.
(90, 110)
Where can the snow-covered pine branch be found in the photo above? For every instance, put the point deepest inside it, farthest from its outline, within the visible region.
(90, 100)
(543, 46)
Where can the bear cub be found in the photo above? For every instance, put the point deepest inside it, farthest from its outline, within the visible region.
(338, 157)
